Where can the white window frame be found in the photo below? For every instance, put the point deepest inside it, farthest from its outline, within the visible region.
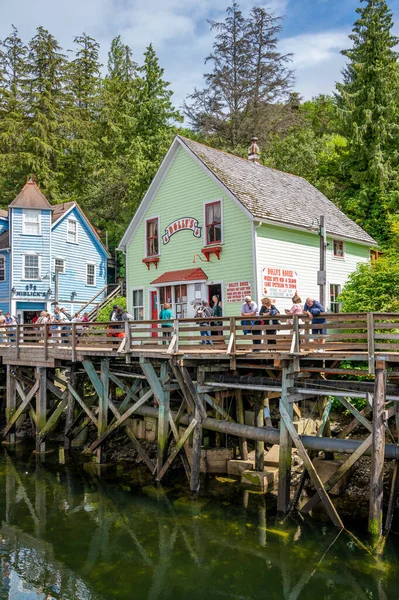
(91, 264)
(204, 229)
(72, 220)
(55, 263)
(145, 237)
(137, 306)
(25, 278)
(335, 256)
(338, 285)
(3, 268)
(25, 220)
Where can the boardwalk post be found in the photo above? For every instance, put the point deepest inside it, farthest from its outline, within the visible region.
(70, 410)
(163, 418)
(259, 422)
(240, 419)
(11, 402)
(103, 407)
(197, 439)
(41, 406)
(284, 473)
(377, 458)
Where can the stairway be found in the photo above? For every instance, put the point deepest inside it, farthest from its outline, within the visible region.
(107, 300)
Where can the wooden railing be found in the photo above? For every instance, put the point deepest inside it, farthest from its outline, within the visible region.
(364, 333)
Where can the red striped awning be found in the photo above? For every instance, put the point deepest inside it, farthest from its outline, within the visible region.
(182, 275)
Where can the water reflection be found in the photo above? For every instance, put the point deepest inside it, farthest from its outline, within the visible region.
(67, 535)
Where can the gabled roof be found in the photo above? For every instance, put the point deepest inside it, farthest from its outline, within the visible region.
(30, 197)
(276, 196)
(182, 275)
(62, 210)
(262, 193)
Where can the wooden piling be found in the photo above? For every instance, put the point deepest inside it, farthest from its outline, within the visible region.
(41, 406)
(259, 422)
(103, 408)
(284, 473)
(377, 458)
(240, 419)
(11, 402)
(163, 419)
(197, 439)
(70, 409)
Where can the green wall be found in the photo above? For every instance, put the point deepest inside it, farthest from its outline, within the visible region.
(183, 192)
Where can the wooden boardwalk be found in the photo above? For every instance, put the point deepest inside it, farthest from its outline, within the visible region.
(181, 372)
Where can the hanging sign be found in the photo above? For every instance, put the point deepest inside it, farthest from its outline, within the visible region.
(279, 283)
(237, 290)
(185, 224)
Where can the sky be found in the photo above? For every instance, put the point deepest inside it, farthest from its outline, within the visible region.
(313, 30)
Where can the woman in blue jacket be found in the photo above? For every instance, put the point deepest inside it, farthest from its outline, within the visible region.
(313, 309)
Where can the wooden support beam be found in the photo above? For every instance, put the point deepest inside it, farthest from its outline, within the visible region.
(25, 401)
(309, 465)
(192, 390)
(350, 461)
(173, 426)
(240, 419)
(87, 410)
(377, 457)
(93, 376)
(103, 400)
(122, 419)
(183, 387)
(392, 498)
(197, 438)
(285, 458)
(163, 419)
(177, 449)
(41, 406)
(355, 422)
(362, 419)
(259, 422)
(11, 402)
(70, 409)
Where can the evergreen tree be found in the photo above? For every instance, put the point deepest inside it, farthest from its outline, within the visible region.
(48, 110)
(80, 158)
(368, 108)
(248, 79)
(14, 158)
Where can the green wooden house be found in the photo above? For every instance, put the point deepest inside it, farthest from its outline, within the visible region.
(213, 223)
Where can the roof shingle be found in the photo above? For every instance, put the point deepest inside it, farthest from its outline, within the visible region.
(274, 195)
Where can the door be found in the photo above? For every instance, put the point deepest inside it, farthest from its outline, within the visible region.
(154, 312)
(214, 289)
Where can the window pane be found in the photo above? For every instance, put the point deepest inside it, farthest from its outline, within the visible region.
(216, 212)
(209, 214)
(90, 274)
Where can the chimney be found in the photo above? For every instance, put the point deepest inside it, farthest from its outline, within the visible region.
(253, 151)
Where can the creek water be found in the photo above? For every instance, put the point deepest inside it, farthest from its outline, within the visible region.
(69, 534)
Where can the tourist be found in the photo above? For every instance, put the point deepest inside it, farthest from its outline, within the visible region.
(217, 312)
(296, 308)
(270, 310)
(112, 315)
(204, 311)
(313, 309)
(165, 314)
(249, 309)
(42, 320)
(11, 323)
(2, 328)
(85, 318)
(78, 319)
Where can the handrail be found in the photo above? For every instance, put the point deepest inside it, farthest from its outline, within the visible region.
(91, 300)
(370, 334)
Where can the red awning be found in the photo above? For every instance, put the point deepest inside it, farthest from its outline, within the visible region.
(183, 275)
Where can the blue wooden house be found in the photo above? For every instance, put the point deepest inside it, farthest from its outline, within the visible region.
(48, 254)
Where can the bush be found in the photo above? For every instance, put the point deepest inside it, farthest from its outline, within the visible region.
(104, 313)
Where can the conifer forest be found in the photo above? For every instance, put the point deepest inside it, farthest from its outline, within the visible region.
(96, 134)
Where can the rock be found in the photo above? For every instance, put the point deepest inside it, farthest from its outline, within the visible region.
(236, 467)
(326, 469)
(260, 479)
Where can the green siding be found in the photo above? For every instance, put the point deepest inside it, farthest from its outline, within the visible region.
(182, 193)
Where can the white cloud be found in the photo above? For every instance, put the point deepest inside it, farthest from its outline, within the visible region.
(317, 60)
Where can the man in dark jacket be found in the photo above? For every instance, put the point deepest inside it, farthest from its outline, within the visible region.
(313, 309)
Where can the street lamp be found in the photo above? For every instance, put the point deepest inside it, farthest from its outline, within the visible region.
(319, 224)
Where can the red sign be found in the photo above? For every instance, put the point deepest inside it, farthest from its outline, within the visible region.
(187, 223)
(237, 290)
(279, 283)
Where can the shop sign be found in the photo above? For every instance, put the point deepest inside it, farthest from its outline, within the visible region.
(31, 290)
(185, 224)
(237, 290)
(279, 283)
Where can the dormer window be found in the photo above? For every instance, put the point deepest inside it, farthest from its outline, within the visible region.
(152, 239)
(213, 222)
(31, 222)
(72, 231)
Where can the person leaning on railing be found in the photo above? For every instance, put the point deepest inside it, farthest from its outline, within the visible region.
(313, 309)
(165, 314)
